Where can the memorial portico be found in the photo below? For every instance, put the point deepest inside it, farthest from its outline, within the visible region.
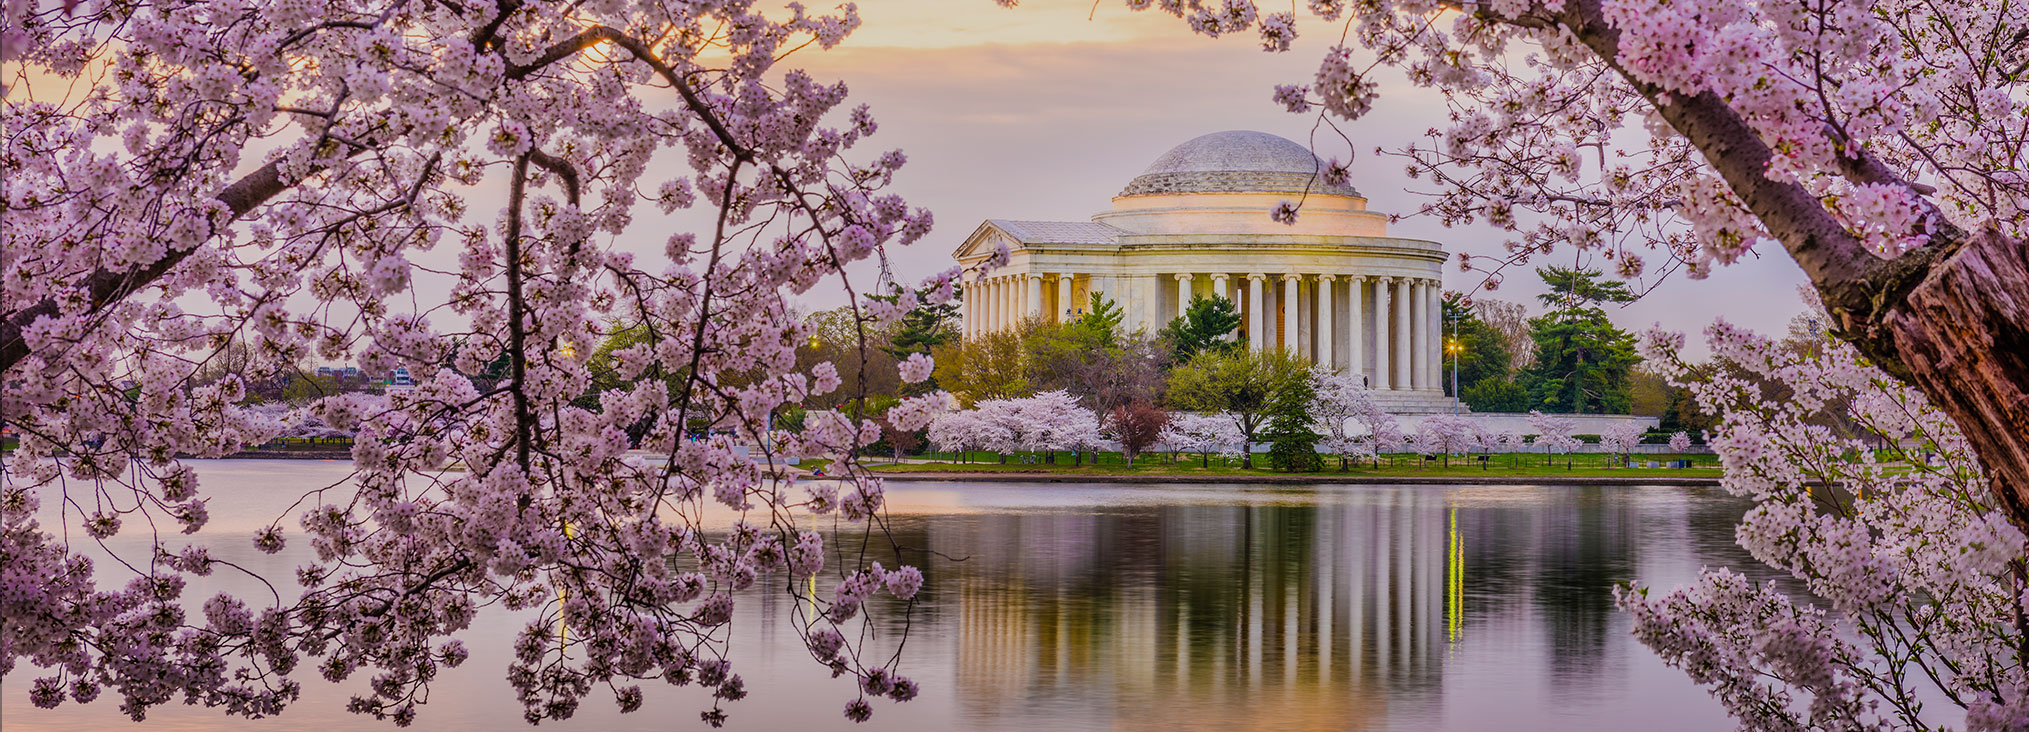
(1332, 287)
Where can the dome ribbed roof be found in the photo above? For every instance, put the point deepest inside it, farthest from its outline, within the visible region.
(1235, 161)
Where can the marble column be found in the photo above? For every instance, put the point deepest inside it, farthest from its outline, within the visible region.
(1183, 293)
(1356, 327)
(1419, 344)
(999, 287)
(1256, 325)
(1035, 300)
(1064, 304)
(1325, 283)
(1009, 301)
(1402, 362)
(971, 308)
(1289, 310)
(1384, 371)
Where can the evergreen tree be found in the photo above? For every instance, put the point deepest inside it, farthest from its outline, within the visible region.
(1583, 362)
(1495, 394)
(1101, 321)
(1202, 327)
(1294, 447)
(922, 329)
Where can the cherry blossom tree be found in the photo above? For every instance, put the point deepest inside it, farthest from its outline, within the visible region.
(1510, 440)
(1343, 400)
(1553, 432)
(1048, 422)
(1680, 442)
(1880, 144)
(185, 176)
(1914, 573)
(966, 430)
(1445, 434)
(1620, 438)
(1204, 434)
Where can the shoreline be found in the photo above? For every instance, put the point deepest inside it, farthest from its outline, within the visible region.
(1007, 476)
(1044, 477)
(279, 455)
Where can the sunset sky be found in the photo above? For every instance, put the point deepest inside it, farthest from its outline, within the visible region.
(1038, 113)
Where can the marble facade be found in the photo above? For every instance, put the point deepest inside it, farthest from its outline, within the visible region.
(1333, 286)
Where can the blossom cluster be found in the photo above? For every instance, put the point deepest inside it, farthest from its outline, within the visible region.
(1047, 422)
(270, 177)
(1914, 589)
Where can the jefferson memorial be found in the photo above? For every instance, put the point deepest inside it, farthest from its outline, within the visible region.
(1333, 287)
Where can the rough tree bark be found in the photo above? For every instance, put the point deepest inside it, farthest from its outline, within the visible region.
(1962, 336)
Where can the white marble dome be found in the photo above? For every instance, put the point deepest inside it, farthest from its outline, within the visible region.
(1235, 161)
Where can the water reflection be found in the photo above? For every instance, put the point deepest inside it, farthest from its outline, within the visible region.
(1213, 607)
(1299, 615)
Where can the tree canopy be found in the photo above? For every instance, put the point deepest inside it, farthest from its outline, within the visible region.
(1239, 382)
(1583, 361)
(1203, 326)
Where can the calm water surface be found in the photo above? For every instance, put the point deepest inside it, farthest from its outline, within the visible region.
(1102, 607)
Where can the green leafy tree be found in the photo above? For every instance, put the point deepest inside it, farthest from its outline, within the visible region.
(1475, 349)
(1496, 394)
(991, 365)
(1236, 381)
(1294, 442)
(1202, 327)
(1583, 362)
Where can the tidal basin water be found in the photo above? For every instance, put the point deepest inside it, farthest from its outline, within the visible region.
(1138, 607)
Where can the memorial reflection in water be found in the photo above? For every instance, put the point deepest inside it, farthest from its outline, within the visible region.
(1296, 616)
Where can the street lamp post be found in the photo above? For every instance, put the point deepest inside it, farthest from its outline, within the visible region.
(1455, 347)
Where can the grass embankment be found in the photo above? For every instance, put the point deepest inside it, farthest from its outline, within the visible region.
(1496, 466)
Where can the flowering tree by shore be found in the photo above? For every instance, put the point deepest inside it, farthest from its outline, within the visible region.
(284, 165)
(1553, 433)
(1620, 438)
(1444, 434)
(1881, 144)
(1204, 434)
(1918, 566)
(1048, 422)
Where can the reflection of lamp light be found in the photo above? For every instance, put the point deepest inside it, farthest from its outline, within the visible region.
(813, 341)
(1454, 581)
(568, 351)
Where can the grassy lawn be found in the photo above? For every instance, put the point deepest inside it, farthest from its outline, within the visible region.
(1509, 466)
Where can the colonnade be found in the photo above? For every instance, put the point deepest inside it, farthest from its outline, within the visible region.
(1324, 317)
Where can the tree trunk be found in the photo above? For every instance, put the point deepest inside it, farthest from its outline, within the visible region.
(1962, 336)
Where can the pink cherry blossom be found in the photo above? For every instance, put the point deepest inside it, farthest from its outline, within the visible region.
(264, 184)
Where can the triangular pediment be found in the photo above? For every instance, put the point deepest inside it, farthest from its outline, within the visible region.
(984, 240)
(1032, 234)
